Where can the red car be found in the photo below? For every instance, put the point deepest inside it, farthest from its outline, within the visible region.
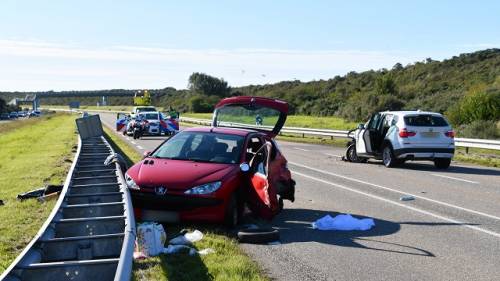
(211, 173)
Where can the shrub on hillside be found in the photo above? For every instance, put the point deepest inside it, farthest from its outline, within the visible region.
(479, 130)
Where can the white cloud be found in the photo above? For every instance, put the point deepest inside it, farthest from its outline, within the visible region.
(35, 65)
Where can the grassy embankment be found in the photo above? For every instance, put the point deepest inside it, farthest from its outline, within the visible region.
(227, 263)
(33, 152)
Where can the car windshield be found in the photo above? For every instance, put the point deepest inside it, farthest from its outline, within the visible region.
(245, 116)
(425, 120)
(202, 147)
(150, 116)
(144, 109)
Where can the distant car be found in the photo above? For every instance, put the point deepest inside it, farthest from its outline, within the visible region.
(4, 116)
(399, 136)
(211, 174)
(13, 115)
(22, 114)
(139, 109)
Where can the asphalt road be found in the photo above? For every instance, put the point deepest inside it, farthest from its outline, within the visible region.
(451, 231)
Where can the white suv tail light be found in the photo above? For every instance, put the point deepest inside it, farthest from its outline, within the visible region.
(404, 133)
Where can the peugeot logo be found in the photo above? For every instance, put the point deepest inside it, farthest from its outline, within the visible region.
(160, 190)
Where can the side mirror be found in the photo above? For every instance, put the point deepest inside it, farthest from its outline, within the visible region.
(244, 167)
(361, 126)
(146, 153)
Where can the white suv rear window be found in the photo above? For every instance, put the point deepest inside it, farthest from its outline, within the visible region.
(425, 120)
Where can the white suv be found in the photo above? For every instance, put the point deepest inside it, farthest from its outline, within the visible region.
(398, 136)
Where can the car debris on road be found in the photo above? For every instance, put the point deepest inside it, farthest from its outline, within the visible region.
(407, 198)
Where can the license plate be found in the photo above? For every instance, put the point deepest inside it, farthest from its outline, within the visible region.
(430, 134)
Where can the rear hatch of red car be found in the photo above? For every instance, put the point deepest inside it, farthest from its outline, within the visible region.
(257, 113)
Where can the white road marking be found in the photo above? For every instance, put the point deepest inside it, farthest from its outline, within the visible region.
(140, 147)
(457, 179)
(398, 191)
(133, 142)
(333, 155)
(401, 205)
(298, 148)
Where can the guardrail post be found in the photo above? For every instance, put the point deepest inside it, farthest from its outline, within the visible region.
(466, 150)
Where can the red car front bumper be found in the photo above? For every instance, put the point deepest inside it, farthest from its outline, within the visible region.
(188, 208)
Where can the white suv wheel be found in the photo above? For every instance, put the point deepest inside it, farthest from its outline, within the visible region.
(387, 156)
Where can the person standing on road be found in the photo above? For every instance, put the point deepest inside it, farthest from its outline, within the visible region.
(258, 120)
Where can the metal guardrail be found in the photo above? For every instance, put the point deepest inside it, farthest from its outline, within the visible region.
(90, 233)
(460, 142)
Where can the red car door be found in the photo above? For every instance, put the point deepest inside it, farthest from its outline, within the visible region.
(263, 199)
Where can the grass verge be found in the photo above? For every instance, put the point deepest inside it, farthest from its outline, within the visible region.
(227, 263)
(303, 121)
(33, 153)
(478, 156)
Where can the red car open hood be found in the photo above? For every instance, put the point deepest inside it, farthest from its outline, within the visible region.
(177, 175)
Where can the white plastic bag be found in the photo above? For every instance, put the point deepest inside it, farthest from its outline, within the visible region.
(343, 222)
(187, 239)
(206, 251)
(150, 239)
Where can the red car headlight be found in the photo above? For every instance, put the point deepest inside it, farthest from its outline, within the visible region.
(204, 188)
(131, 183)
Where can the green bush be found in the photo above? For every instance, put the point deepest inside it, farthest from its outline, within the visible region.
(479, 130)
(477, 105)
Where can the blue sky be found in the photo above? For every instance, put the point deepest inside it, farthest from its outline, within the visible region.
(64, 45)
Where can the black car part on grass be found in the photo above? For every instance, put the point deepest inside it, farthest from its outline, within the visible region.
(40, 192)
(258, 235)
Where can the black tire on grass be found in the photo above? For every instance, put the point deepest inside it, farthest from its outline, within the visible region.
(258, 235)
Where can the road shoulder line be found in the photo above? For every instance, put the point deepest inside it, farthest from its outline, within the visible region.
(492, 233)
(398, 191)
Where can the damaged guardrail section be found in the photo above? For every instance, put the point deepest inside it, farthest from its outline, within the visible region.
(90, 233)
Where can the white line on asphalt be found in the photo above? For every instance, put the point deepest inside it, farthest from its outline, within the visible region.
(133, 142)
(333, 155)
(401, 205)
(398, 191)
(140, 147)
(457, 179)
(298, 148)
